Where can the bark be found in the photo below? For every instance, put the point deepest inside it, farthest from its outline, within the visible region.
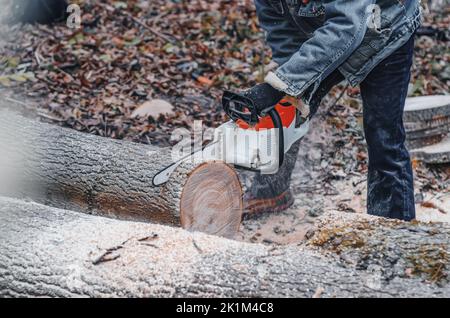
(427, 121)
(434, 154)
(82, 172)
(414, 144)
(420, 127)
(427, 108)
(59, 253)
(429, 132)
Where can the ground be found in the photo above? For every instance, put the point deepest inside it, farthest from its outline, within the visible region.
(330, 175)
(97, 78)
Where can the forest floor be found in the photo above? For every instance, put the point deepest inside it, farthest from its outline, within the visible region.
(100, 79)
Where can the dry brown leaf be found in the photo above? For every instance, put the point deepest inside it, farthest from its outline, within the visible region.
(153, 108)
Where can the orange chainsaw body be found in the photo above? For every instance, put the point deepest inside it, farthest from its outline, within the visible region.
(287, 115)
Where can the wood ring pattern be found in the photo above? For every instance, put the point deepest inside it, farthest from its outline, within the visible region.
(211, 201)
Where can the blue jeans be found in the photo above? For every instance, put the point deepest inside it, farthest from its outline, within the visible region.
(390, 191)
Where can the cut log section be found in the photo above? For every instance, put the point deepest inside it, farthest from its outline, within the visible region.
(427, 108)
(211, 200)
(443, 121)
(424, 138)
(67, 169)
(434, 154)
(428, 132)
(427, 120)
(58, 253)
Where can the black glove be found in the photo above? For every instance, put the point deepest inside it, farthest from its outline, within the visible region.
(264, 97)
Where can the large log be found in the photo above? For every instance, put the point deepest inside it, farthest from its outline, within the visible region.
(82, 172)
(59, 253)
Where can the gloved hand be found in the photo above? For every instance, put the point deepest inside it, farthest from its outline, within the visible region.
(264, 97)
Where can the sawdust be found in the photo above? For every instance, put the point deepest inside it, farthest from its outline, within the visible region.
(432, 261)
(292, 225)
(318, 188)
(338, 239)
(361, 243)
(287, 227)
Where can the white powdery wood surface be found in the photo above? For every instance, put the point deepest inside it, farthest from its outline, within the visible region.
(52, 252)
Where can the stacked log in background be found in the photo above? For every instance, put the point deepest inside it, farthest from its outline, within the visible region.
(427, 123)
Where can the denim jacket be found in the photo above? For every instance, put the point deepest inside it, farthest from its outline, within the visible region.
(311, 39)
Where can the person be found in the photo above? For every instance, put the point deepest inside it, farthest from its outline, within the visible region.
(319, 43)
(40, 11)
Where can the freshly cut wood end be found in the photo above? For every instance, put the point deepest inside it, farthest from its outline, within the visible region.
(212, 200)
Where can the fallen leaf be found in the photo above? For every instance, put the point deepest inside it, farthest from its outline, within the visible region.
(153, 108)
(432, 205)
(13, 62)
(18, 77)
(5, 81)
(205, 81)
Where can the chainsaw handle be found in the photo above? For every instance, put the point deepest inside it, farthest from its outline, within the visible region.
(278, 124)
(240, 107)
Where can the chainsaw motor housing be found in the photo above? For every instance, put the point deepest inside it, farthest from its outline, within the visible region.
(257, 141)
(257, 150)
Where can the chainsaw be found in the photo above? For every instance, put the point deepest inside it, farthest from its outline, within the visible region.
(251, 140)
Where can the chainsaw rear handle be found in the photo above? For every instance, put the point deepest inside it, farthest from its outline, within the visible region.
(239, 107)
(277, 123)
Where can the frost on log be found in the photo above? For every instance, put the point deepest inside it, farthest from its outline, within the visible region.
(77, 171)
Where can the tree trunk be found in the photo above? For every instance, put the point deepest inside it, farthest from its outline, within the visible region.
(59, 253)
(82, 172)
